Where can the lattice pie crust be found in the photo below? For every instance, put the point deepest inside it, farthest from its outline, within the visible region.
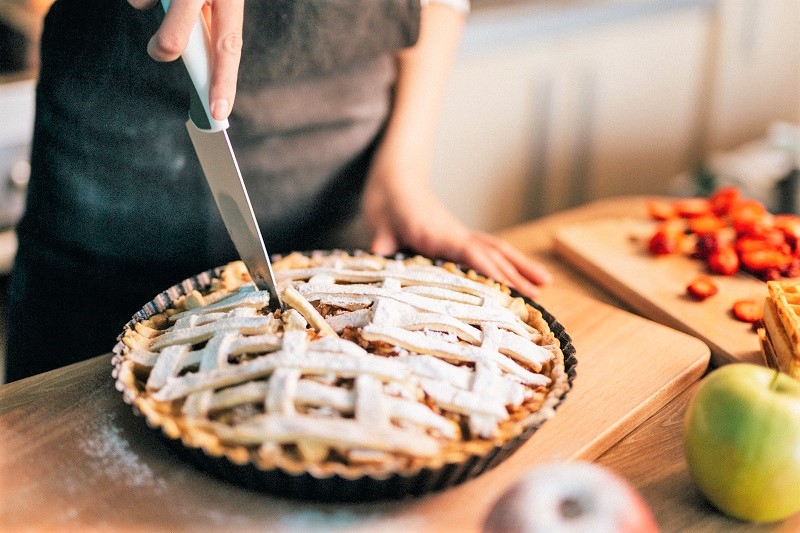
(780, 335)
(379, 366)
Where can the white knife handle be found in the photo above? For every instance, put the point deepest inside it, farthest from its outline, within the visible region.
(196, 59)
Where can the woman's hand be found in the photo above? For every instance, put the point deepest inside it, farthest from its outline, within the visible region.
(416, 219)
(398, 202)
(225, 18)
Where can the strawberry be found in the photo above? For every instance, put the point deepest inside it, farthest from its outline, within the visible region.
(790, 226)
(774, 236)
(760, 261)
(661, 210)
(771, 274)
(723, 260)
(665, 240)
(747, 215)
(707, 243)
(748, 311)
(746, 244)
(705, 224)
(692, 207)
(701, 288)
(723, 199)
(792, 270)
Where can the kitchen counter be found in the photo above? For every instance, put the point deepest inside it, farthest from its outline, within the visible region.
(650, 455)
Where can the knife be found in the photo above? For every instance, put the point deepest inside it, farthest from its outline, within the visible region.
(210, 139)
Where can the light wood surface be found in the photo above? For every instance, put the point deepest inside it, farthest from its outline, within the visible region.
(80, 458)
(613, 251)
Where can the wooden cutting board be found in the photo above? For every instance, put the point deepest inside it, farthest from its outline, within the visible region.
(614, 252)
(73, 456)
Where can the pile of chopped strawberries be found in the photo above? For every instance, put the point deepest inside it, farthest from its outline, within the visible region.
(730, 233)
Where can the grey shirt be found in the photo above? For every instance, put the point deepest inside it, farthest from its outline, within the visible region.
(114, 175)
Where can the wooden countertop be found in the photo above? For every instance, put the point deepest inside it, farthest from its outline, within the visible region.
(650, 456)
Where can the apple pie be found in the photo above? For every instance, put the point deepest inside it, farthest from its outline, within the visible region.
(378, 368)
(780, 334)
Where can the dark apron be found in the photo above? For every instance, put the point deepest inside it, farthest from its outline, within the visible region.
(118, 208)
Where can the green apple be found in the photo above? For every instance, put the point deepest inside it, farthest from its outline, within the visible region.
(742, 442)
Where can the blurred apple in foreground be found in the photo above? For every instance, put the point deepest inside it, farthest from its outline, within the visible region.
(570, 497)
(742, 441)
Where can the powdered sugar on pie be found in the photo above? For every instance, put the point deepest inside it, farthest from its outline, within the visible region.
(379, 365)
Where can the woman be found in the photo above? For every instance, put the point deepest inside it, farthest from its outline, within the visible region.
(333, 123)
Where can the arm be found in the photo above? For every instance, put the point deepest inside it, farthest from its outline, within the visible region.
(399, 204)
(225, 24)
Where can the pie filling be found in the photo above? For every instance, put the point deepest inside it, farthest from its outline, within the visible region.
(376, 366)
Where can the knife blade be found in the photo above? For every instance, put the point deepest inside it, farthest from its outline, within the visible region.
(213, 147)
(222, 173)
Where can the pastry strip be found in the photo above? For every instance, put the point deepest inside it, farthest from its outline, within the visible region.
(295, 299)
(338, 433)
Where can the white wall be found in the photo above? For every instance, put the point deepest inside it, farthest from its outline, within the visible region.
(549, 107)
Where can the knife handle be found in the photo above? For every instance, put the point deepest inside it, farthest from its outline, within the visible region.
(196, 60)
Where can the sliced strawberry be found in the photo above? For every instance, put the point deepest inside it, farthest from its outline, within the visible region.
(662, 243)
(748, 244)
(792, 270)
(748, 310)
(760, 261)
(723, 199)
(790, 226)
(775, 237)
(771, 274)
(661, 210)
(692, 207)
(705, 224)
(701, 288)
(723, 261)
(665, 240)
(707, 243)
(757, 227)
(747, 215)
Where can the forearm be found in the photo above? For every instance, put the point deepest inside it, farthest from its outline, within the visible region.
(400, 207)
(423, 72)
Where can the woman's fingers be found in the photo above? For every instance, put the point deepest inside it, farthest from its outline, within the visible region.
(170, 39)
(491, 262)
(226, 35)
(142, 4)
(226, 19)
(476, 258)
(512, 275)
(384, 241)
(530, 269)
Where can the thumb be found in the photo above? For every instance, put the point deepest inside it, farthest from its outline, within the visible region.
(384, 242)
